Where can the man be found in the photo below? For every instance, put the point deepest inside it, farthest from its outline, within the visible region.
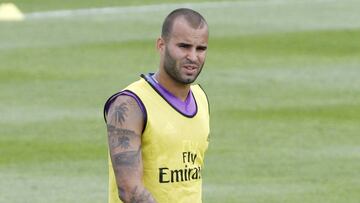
(158, 126)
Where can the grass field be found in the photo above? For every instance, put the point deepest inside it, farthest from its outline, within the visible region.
(283, 78)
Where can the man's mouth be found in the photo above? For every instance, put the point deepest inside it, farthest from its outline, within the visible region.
(190, 66)
(190, 69)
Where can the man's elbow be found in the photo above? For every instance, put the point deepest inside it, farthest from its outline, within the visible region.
(122, 191)
(135, 193)
(127, 192)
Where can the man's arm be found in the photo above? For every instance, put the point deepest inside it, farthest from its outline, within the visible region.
(124, 125)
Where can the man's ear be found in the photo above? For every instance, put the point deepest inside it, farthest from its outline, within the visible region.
(160, 45)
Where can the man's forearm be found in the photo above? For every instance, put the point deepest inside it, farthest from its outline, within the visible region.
(137, 194)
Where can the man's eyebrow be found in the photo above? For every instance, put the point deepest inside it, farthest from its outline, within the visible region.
(183, 44)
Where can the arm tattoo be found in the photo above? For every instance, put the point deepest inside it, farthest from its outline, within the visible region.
(140, 196)
(123, 141)
(120, 137)
(120, 113)
(128, 158)
(136, 195)
(121, 192)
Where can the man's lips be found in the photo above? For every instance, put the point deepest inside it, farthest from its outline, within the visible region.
(190, 69)
(190, 66)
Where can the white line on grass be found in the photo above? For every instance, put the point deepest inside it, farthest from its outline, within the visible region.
(157, 7)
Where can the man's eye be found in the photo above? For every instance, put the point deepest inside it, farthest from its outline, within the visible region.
(184, 45)
(202, 48)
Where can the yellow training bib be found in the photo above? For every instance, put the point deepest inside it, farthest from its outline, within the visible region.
(173, 147)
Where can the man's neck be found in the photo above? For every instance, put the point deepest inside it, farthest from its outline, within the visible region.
(180, 91)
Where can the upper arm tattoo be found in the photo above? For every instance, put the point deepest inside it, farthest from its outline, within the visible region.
(119, 137)
(120, 113)
(123, 142)
(128, 158)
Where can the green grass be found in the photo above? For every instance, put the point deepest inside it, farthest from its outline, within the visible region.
(44, 5)
(283, 82)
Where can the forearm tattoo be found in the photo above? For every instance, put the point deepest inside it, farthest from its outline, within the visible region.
(140, 196)
(136, 196)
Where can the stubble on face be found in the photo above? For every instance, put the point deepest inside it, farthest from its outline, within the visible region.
(173, 68)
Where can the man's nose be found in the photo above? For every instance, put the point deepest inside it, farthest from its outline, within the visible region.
(192, 55)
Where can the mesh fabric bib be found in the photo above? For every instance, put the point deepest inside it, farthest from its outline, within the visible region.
(173, 147)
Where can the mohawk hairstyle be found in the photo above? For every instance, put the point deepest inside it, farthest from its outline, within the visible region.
(193, 18)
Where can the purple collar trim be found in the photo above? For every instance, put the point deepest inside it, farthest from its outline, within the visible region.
(187, 108)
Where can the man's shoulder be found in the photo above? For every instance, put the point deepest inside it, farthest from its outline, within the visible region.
(129, 92)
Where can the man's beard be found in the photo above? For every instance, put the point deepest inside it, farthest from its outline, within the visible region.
(172, 68)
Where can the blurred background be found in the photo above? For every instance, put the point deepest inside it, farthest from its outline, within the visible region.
(282, 76)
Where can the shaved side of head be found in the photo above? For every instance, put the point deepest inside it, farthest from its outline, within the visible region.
(193, 18)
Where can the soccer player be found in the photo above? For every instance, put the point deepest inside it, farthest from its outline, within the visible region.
(158, 126)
